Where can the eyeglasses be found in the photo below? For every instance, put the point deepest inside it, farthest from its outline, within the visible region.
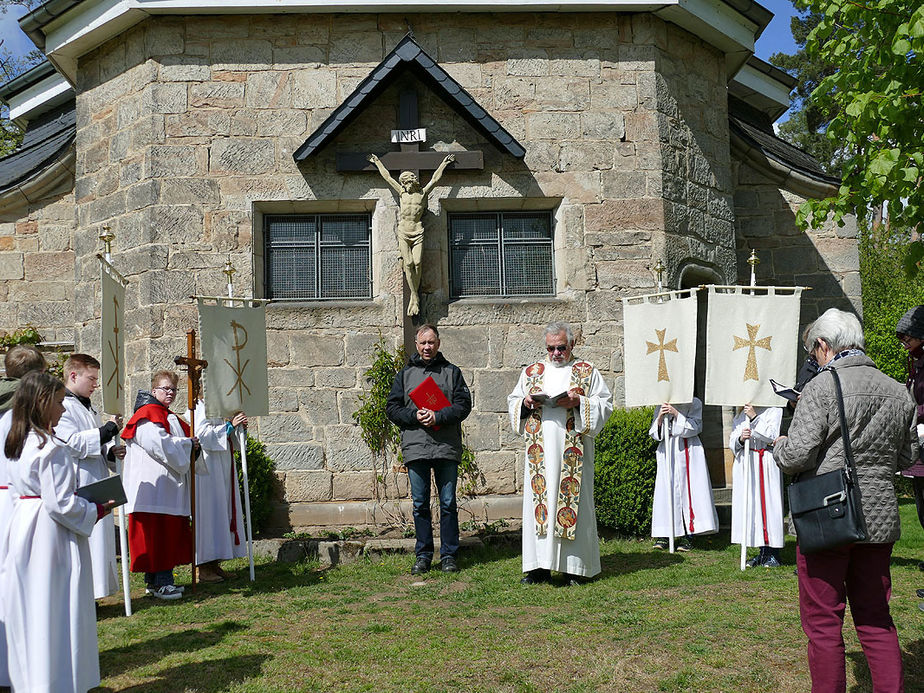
(812, 349)
(905, 338)
(167, 389)
(561, 348)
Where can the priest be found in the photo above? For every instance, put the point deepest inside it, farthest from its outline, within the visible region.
(559, 405)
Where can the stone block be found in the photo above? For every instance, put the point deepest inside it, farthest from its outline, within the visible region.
(341, 377)
(644, 214)
(492, 388)
(49, 266)
(199, 123)
(143, 259)
(171, 161)
(575, 67)
(528, 67)
(242, 156)
(514, 93)
(280, 123)
(464, 346)
(356, 47)
(624, 274)
(189, 191)
(348, 401)
(216, 95)
(310, 486)
(164, 98)
(584, 156)
(354, 485)
(603, 125)
(839, 255)
(268, 90)
(315, 88)
(165, 287)
(553, 126)
(148, 130)
(319, 407)
(290, 377)
(283, 399)
(44, 314)
(563, 93)
(481, 431)
(161, 38)
(179, 224)
(623, 185)
(11, 266)
(497, 471)
(316, 349)
(301, 456)
(285, 428)
(277, 350)
(241, 54)
(613, 94)
(346, 451)
(184, 68)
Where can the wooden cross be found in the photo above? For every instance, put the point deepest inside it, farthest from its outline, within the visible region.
(194, 368)
(409, 158)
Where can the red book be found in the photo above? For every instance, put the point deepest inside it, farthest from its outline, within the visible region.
(428, 395)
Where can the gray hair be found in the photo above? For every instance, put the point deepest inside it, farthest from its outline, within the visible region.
(554, 328)
(839, 329)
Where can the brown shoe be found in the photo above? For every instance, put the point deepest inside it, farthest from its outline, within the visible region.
(225, 574)
(208, 576)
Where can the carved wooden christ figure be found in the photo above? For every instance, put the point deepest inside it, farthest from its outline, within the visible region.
(412, 205)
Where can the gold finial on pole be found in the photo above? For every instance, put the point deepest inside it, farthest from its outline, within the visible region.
(229, 272)
(107, 237)
(660, 269)
(753, 261)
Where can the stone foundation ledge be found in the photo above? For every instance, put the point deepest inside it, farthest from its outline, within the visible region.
(310, 516)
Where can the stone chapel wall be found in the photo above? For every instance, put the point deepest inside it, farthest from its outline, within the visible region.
(186, 129)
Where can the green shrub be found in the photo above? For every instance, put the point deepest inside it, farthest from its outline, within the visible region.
(624, 472)
(260, 474)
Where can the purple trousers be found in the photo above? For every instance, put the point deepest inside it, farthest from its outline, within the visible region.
(858, 574)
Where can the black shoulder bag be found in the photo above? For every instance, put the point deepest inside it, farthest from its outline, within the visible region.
(826, 507)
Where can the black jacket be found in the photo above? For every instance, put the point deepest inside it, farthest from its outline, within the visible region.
(420, 442)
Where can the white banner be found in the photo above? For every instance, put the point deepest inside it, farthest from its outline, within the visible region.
(112, 338)
(234, 344)
(659, 347)
(752, 335)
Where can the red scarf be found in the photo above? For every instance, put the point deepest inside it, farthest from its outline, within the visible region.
(155, 413)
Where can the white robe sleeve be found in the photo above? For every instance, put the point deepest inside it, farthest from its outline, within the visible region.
(766, 426)
(689, 420)
(515, 404)
(655, 431)
(738, 425)
(84, 443)
(169, 450)
(596, 406)
(57, 479)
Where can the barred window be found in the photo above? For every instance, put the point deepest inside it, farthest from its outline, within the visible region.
(501, 254)
(318, 256)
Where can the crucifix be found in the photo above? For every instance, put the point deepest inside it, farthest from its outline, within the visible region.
(194, 368)
(410, 161)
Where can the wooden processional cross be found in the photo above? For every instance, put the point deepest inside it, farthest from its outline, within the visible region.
(409, 136)
(194, 368)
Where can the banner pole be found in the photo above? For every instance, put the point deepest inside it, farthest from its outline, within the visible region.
(123, 541)
(669, 446)
(242, 437)
(746, 524)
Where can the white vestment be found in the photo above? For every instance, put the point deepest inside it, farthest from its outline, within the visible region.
(6, 511)
(47, 581)
(218, 497)
(765, 527)
(691, 495)
(79, 428)
(156, 476)
(581, 555)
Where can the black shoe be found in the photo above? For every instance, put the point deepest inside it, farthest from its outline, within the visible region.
(661, 544)
(755, 561)
(535, 577)
(684, 544)
(921, 565)
(421, 565)
(920, 593)
(573, 580)
(448, 565)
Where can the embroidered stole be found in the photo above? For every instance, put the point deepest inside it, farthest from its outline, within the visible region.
(572, 462)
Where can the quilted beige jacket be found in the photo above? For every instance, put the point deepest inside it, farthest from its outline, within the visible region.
(881, 422)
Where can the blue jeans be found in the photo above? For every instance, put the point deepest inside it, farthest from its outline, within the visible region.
(446, 474)
(159, 579)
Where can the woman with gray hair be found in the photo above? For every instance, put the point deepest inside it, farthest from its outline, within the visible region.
(880, 422)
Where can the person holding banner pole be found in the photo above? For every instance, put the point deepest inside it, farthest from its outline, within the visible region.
(219, 517)
(757, 485)
(157, 486)
(683, 504)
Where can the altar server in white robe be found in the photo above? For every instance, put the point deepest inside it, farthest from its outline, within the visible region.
(219, 518)
(559, 521)
(92, 446)
(764, 527)
(691, 495)
(19, 360)
(46, 582)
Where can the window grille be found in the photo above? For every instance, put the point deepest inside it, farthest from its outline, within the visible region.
(318, 256)
(501, 254)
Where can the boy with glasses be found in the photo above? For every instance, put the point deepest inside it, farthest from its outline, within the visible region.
(156, 484)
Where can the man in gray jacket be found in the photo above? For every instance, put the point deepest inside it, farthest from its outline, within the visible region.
(431, 439)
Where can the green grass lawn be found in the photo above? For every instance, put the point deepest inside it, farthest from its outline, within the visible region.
(651, 622)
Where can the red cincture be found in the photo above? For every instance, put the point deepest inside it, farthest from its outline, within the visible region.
(763, 497)
(686, 451)
(237, 539)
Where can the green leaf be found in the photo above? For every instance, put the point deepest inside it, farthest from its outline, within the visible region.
(913, 255)
(901, 46)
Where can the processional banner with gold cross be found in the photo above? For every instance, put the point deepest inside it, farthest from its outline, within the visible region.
(659, 347)
(112, 338)
(752, 335)
(234, 344)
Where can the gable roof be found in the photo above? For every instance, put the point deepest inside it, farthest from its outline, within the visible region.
(47, 139)
(409, 56)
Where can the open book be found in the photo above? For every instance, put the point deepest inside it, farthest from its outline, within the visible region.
(789, 393)
(548, 400)
(104, 491)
